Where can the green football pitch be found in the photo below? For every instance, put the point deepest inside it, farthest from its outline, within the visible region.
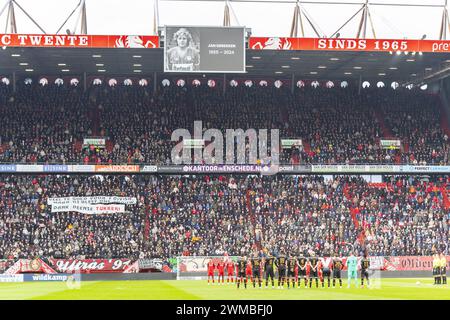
(187, 290)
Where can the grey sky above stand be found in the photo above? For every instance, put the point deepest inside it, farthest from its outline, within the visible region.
(406, 19)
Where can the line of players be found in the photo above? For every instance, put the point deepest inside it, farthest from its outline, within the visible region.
(291, 270)
(439, 268)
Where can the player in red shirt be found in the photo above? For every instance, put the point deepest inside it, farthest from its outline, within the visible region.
(248, 270)
(221, 268)
(230, 271)
(211, 267)
(320, 271)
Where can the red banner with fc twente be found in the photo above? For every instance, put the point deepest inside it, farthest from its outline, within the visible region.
(255, 43)
(90, 265)
(78, 41)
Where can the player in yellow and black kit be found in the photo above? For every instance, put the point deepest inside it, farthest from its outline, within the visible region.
(291, 264)
(313, 270)
(256, 270)
(436, 268)
(337, 266)
(443, 269)
(241, 265)
(326, 270)
(268, 267)
(281, 266)
(302, 263)
(365, 264)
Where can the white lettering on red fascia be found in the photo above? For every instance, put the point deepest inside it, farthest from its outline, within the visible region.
(344, 44)
(322, 43)
(83, 41)
(440, 46)
(6, 40)
(47, 40)
(72, 40)
(35, 40)
(60, 40)
(22, 39)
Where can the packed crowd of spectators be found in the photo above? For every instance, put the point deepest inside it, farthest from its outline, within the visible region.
(415, 119)
(341, 127)
(141, 124)
(211, 215)
(404, 216)
(42, 124)
(29, 229)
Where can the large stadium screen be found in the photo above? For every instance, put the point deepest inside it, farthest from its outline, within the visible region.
(204, 49)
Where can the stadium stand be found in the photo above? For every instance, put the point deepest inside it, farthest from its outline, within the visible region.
(193, 215)
(43, 124)
(337, 126)
(201, 215)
